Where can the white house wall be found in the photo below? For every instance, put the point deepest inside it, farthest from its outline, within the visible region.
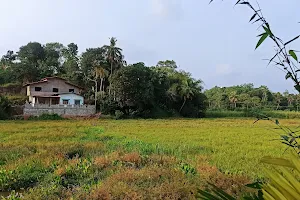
(71, 98)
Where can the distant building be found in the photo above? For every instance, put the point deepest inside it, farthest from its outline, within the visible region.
(53, 91)
(56, 95)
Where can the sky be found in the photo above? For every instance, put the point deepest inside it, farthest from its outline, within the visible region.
(214, 42)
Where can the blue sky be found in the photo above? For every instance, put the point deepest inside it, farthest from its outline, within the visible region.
(214, 42)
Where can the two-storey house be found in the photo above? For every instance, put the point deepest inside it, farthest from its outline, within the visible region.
(53, 91)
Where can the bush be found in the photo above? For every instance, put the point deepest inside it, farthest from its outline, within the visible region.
(24, 176)
(47, 117)
(17, 100)
(252, 113)
(5, 108)
(119, 114)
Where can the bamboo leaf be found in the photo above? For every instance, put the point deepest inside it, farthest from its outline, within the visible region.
(296, 163)
(277, 193)
(293, 54)
(288, 75)
(256, 185)
(252, 18)
(268, 30)
(270, 191)
(261, 40)
(260, 35)
(281, 186)
(267, 196)
(277, 161)
(207, 196)
(221, 193)
(294, 182)
(245, 3)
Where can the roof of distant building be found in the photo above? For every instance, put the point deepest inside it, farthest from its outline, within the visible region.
(54, 77)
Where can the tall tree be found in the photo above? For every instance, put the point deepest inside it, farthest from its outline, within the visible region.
(277, 99)
(114, 56)
(167, 63)
(53, 58)
(31, 57)
(184, 87)
(134, 88)
(92, 57)
(100, 73)
(71, 63)
(233, 98)
(8, 59)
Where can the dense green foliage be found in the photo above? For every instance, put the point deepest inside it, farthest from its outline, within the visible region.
(157, 91)
(247, 97)
(276, 114)
(5, 108)
(132, 90)
(46, 117)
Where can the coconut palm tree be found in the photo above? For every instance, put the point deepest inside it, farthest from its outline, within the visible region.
(277, 98)
(297, 100)
(264, 90)
(114, 56)
(185, 88)
(233, 98)
(290, 98)
(100, 72)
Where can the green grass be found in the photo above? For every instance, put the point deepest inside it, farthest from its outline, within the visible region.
(241, 114)
(33, 153)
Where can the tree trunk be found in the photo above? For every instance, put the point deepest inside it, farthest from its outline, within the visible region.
(96, 85)
(111, 71)
(101, 85)
(182, 105)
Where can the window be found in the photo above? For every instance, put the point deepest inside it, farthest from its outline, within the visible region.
(65, 101)
(55, 89)
(77, 102)
(37, 89)
(71, 90)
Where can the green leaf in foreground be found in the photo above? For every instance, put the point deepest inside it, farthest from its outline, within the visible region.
(262, 39)
(288, 75)
(292, 53)
(277, 161)
(256, 185)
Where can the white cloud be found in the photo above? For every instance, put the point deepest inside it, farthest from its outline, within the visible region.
(223, 69)
(170, 9)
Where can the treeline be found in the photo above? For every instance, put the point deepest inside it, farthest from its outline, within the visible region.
(246, 96)
(120, 89)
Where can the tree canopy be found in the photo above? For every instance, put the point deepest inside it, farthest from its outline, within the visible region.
(134, 90)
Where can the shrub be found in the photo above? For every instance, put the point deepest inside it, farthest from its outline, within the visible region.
(119, 114)
(47, 117)
(17, 99)
(5, 108)
(24, 176)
